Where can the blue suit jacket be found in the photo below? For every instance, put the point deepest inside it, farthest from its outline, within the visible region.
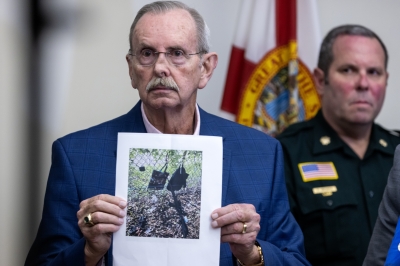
(84, 165)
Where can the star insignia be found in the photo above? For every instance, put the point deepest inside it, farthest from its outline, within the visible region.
(325, 140)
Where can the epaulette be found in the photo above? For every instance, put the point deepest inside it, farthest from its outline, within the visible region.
(293, 129)
(394, 132)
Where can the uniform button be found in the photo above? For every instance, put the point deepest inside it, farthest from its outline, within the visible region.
(371, 193)
(329, 202)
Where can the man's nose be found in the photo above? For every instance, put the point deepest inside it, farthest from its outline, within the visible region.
(161, 65)
(363, 82)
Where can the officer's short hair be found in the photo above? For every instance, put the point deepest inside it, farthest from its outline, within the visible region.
(325, 58)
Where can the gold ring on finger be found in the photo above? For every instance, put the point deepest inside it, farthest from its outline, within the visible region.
(88, 220)
(244, 228)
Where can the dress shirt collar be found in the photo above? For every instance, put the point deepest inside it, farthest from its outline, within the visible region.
(151, 129)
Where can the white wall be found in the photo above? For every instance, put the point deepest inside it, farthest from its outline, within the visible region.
(99, 89)
(13, 189)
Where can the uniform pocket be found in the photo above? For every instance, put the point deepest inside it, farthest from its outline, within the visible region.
(329, 224)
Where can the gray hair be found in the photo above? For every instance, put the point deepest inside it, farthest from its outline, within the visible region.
(159, 7)
(325, 58)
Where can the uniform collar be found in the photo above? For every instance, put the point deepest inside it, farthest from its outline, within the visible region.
(380, 142)
(326, 139)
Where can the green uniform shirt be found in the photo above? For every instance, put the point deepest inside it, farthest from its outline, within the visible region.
(334, 195)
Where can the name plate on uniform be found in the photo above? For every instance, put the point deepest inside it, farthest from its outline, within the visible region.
(325, 191)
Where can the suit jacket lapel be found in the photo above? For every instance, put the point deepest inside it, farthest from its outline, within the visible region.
(131, 122)
(209, 127)
(134, 121)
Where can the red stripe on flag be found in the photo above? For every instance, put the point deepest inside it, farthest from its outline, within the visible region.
(285, 21)
(239, 72)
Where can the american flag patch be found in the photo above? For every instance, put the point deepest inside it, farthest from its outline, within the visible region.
(318, 171)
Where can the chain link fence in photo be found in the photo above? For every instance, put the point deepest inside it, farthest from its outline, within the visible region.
(164, 193)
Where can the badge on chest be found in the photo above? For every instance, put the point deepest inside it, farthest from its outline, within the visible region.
(325, 191)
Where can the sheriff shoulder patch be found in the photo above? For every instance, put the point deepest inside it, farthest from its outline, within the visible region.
(313, 171)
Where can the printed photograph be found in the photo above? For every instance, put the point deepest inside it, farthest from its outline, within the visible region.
(164, 193)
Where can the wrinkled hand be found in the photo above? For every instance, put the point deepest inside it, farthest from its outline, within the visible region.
(107, 215)
(231, 219)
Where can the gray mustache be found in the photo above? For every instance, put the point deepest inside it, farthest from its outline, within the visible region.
(167, 82)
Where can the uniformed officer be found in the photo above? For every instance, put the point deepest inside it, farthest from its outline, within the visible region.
(337, 163)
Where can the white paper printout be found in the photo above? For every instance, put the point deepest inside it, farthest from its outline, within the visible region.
(172, 183)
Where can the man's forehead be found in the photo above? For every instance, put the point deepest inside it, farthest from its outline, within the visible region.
(176, 23)
(349, 46)
(346, 43)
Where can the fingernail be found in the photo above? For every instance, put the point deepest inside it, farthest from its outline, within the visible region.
(214, 224)
(214, 215)
(122, 204)
(122, 213)
(121, 221)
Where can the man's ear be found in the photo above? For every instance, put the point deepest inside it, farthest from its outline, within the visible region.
(130, 68)
(319, 79)
(387, 77)
(209, 63)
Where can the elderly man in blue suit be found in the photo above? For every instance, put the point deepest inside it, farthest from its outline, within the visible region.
(169, 60)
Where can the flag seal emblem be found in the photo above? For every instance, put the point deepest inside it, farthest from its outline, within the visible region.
(312, 171)
(280, 91)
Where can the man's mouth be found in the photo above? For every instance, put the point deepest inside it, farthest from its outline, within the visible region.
(161, 88)
(361, 103)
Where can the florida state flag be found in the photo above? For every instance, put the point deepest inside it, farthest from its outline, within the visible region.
(269, 84)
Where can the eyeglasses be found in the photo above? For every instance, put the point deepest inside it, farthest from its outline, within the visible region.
(148, 57)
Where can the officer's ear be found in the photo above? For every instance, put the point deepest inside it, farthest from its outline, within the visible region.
(320, 80)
